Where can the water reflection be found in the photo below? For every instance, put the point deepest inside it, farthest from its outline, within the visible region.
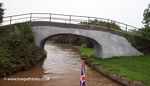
(63, 65)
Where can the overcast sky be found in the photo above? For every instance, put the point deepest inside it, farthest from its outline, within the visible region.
(126, 11)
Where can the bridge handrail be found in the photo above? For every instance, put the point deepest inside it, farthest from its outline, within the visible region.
(67, 18)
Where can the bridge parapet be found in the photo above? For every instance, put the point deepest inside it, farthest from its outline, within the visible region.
(60, 18)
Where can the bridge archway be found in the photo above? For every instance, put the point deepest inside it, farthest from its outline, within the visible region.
(96, 45)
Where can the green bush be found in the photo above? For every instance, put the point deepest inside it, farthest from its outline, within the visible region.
(17, 48)
(1, 12)
(140, 39)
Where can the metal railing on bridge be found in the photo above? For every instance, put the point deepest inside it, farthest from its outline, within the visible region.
(61, 18)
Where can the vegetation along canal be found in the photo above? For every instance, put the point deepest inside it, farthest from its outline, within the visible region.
(61, 68)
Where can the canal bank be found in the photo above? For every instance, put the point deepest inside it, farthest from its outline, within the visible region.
(122, 80)
(61, 67)
(127, 71)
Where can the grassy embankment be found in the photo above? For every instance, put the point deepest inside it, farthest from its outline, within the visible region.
(136, 68)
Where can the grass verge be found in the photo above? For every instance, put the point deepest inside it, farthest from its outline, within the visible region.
(135, 68)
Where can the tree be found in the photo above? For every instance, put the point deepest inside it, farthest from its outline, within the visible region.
(146, 16)
(141, 38)
(1, 12)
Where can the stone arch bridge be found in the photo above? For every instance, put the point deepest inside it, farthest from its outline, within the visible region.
(106, 43)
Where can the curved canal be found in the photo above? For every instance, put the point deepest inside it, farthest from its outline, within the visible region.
(61, 68)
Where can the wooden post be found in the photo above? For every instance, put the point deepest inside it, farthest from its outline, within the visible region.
(50, 17)
(126, 29)
(10, 19)
(30, 17)
(70, 19)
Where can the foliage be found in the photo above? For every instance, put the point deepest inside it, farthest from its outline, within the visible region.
(146, 16)
(85, 51)
(141, 38)
(102, 23)
(1, 13)
(17, 48)
(144, 39)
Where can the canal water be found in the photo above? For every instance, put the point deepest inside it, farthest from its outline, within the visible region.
(61, 67)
